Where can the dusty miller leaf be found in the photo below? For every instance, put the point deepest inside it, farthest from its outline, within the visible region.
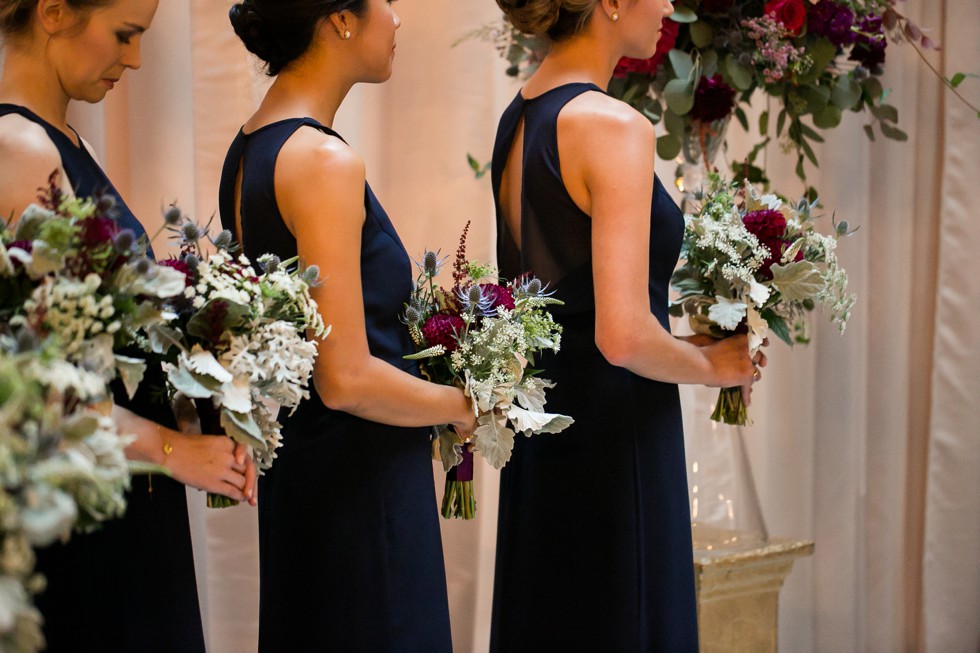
(797, 281)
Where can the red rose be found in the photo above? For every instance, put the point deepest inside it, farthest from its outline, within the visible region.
(791, 13)
(442, 329)
(668, 37)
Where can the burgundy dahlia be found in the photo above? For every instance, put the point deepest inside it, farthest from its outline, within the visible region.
(832, 21)
(442, 329)
(869, 43)
(97, 231)
(713, 99)
(668, 37)
(769, 226)
(500, 296)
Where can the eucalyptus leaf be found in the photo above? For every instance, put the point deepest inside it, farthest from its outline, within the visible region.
(679, 95)
(668, 147)
(892, 132)
(683, 14)
(821, 53)
(701, 34)
(828, 117)
(763, 123)
(846, 93)
(741, 77)
(885, 113)
(682, 63)
(674, 123)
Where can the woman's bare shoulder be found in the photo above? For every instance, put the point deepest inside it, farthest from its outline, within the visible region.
(25, 143)
(28, 158)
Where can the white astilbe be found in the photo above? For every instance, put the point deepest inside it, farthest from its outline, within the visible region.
(71, 309)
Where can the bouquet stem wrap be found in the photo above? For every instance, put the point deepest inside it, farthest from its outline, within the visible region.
(459, 499)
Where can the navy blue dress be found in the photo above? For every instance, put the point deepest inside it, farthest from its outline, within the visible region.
(129, 586)
(594, 535)
(349, 543)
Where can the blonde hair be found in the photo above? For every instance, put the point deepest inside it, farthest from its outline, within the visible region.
(15, 15)
(558, 19)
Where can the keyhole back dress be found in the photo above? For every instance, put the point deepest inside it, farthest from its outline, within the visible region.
(129, 586)
(594, 535)
(350, 551)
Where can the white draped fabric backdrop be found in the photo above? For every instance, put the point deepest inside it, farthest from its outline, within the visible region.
(868, 444)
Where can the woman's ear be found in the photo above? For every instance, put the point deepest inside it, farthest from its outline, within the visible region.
(341, 23)
(54, 16)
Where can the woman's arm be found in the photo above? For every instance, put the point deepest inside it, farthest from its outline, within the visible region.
(607, 153)
(320, 189)
(207, 462)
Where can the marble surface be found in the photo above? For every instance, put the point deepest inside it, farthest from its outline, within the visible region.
(738, 578)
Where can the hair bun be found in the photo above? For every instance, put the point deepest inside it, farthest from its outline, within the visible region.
(531, 16)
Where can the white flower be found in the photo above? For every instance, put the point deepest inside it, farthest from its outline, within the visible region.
(726, 313)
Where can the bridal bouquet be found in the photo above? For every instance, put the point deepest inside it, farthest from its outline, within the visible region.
(69, 271)
(62, 467)
(482, 336)
(75, 289)
(816, 60)
(756, 264)
(236, 338)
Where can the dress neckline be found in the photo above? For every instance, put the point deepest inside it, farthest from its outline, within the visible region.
(33, 117)
(520, 93)
(282, 122)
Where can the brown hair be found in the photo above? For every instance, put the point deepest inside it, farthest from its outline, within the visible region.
(15, 15)
(558, 19)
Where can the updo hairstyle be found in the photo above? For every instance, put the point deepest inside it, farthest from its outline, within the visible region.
(557, 19)
(280, 31)
(15, 15)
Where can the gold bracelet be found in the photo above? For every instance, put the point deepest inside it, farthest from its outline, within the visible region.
(167, 450)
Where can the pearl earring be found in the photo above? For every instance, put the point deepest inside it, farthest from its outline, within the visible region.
(346, 34)
(614, 16)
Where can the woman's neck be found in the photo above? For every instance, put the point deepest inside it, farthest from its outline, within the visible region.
(584, 57)
(302, 91)
(28, 81)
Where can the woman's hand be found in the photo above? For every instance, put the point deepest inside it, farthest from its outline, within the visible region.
(213, 463)
(730, 362)
(465, 422)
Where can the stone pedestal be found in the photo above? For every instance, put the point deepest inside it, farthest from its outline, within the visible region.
(738, 587)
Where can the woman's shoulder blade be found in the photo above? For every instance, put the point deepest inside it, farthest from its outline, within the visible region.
(595, 115)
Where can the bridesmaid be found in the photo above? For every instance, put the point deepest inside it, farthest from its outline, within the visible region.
(350, 551)
(594, 536)
(129, 586)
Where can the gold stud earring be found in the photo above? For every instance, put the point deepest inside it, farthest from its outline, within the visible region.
(614, 16)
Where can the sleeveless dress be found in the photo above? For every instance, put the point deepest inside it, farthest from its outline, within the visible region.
(130, 586)
(594, 534)
(349, 543)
